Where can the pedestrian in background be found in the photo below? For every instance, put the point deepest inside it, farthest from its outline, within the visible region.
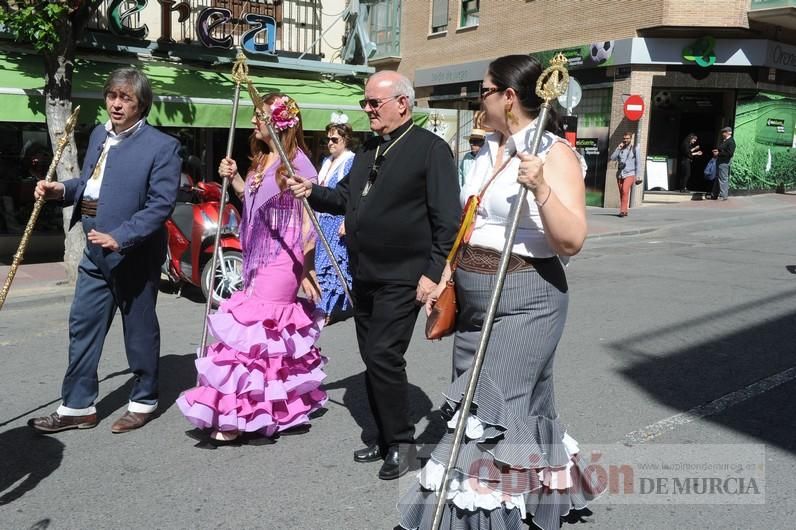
(688, 150)
(126, 191)
(334, 168)
(626, 157)
(476, 142)
(723, 153)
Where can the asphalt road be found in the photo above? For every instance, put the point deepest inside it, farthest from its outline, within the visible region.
(680, 341)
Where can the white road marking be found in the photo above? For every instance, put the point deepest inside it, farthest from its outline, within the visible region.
(710, 408)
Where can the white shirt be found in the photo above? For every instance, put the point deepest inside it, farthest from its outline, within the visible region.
(329, 166)
(92, 191)
(493, 217)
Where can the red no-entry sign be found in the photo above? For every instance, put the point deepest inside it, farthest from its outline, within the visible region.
(634, 108)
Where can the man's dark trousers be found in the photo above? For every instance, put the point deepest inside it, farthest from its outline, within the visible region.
(385, 316)
(133, 288)
(721, 185)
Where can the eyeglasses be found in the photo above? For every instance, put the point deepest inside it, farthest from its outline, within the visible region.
(375, 103)
(334, 139)
(488, 91)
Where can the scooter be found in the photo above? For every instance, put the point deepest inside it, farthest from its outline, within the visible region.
(191, 233)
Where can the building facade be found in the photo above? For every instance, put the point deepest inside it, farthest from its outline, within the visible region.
(187, 48)
(698, 66)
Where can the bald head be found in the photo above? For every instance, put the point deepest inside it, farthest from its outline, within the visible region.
(390, 97)
(399, 84)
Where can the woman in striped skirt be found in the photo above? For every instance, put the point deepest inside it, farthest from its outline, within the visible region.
(517, 466)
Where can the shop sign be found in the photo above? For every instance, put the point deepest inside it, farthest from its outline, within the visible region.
(782, 56)
(259, 38)
(701, 52)
(589, 55)
(777, 123)
(588, 145)
(698, 101)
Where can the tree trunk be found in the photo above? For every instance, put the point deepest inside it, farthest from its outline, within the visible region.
(58, 106)
(58, 112)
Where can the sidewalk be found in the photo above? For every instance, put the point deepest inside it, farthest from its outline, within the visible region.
(47, 282)
(604, 222)
(40, 283)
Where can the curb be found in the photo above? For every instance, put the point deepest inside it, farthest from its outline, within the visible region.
(57, 295)
(733, 220)
(631, 232)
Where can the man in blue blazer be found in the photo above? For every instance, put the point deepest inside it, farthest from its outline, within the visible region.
(125, 192)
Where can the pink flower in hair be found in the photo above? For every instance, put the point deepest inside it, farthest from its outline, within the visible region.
(284, 113)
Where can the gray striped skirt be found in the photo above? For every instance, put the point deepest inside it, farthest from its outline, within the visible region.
(516, 467)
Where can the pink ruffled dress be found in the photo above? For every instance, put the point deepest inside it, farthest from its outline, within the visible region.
(264, 372)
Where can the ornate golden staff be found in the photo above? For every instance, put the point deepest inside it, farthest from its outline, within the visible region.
(258, 104)
(551, 84)
(34, 215)
(240, 74)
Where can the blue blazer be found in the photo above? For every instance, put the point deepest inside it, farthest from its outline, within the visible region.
(137, 195)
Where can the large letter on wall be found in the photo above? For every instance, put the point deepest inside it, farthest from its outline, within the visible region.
(116, 18)
(167, 7)
(259, 23)
(208, 20)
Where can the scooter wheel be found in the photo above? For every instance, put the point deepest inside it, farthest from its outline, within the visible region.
(228, 276)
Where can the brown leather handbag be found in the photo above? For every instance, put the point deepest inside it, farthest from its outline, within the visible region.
(441, 321)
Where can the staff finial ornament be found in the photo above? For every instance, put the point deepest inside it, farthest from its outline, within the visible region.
(554, 79)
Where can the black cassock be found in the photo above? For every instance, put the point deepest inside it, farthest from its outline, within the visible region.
(401, 216)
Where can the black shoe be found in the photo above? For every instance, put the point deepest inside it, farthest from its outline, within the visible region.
(446, 411)
(340, 315)
(370, 453)
(396, 463)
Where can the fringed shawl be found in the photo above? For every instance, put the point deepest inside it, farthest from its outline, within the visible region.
(272, 219)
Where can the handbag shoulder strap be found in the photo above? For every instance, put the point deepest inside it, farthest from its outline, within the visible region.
(469, 214)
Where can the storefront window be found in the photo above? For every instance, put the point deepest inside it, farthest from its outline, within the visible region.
(25, 156)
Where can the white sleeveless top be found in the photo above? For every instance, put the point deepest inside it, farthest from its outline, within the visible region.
(492, 220)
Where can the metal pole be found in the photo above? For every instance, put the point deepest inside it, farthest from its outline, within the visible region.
(308, 209)
(239, 75)
(34, 215)
(551, 83)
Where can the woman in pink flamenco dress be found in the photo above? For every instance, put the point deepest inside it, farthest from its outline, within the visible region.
(264, 373)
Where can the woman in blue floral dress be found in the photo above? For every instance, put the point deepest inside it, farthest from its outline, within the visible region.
(336, 166)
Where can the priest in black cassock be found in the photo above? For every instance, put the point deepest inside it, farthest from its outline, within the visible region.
(401, 206)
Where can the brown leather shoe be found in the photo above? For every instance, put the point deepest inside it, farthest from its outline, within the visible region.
(57, 423)
(130, 421)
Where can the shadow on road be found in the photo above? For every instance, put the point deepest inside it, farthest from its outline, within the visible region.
(355, 399)
(28, 458)
(186, 290)
(177, 373)
(718, 366)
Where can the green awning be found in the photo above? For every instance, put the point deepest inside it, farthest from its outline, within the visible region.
(184, 96)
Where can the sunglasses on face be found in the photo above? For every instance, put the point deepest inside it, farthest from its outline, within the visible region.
(375, 103)
(333, 139)
(488, 91)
